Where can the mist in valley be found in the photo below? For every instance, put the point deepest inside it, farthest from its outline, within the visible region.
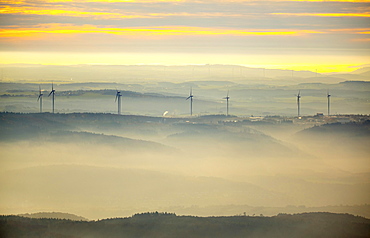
(261, 159)
(104, 165)
(184, 118)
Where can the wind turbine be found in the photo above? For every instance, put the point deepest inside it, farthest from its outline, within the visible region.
(118, 97)
(227, 103)
(40, 98)
(191, 101)
(52, 92)
(328, 96)
(299, 103)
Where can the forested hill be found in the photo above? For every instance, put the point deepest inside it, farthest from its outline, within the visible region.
(169, 225)
(68, 128)
(352, 129)
(56, 215)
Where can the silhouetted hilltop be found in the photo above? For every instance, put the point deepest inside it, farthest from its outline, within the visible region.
(98, 73)
(101, 139)
(60, 128)
(72, 121)
(15, 126)
(54, 215)
(169, 225)
(352, 129)
(339, 141)
(358, 84)
(224, 139)
(361, 70)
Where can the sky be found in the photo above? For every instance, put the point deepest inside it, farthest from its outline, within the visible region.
(322, 36)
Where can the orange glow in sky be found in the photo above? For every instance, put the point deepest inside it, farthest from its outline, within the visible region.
(163, 30)
(277, 34)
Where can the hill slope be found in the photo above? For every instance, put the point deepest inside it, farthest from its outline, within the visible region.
(169, 225)
(54, 215)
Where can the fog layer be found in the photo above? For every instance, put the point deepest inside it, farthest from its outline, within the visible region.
(104, 165)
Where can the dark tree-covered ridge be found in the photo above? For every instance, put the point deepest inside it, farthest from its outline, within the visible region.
(157, 224)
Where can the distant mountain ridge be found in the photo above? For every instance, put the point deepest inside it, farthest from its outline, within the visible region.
(350, 129)
(364, 70)
(64, 128)
(115, 73)
(54, 215)
(157, 224)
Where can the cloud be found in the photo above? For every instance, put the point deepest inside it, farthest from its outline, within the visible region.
(139, 32)
(366, 14)
(114, 14)
(212, 26)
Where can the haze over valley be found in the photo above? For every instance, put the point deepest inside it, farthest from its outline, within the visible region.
(261, 158)
(156, 115)
(106, 165)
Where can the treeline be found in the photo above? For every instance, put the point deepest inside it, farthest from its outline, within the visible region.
(56, 215)
(169, 225)
(354, 128)
(153, 214)
(72, 93)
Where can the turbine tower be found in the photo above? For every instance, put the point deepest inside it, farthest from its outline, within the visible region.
(40, 98)
(118, 97)
(52, 93)
(299, 103)
(328, 96)
(191, 101)
(227, 103)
